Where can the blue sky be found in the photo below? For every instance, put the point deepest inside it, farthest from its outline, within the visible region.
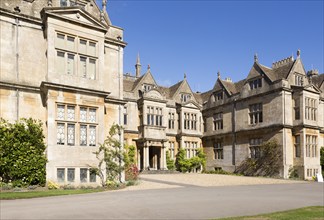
(200, 38)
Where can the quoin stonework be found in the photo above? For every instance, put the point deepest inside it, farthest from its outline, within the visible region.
(62, 63)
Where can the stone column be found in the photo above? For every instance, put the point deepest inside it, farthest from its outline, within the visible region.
(146, 157)
(163, 158)
(139, 159)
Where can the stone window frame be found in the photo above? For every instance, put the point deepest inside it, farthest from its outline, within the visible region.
(218, 95)
(255, 83)
(218, 149)
(310, 109)
(154, 116)
(171, 123)
(311, 146)
(185, 97)
(255, 113)
(125, 115)
(76, 124)
(87, 59)
(172, 149)
(255, 150)
(190, 148)
(218, 121)
(299, 79)
(190, 121)
(147, 87)
(297, 146)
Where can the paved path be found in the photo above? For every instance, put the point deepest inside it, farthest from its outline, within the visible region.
(171, 198)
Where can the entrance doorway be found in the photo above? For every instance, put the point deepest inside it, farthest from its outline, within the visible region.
(155, 158)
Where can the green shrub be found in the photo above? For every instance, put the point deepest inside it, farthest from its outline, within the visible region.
(169, 161)
(52, 185)
(22, 152)
(188, 165)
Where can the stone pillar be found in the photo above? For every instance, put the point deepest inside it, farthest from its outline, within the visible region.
(139, 159)
(163, 158)
(146, 159)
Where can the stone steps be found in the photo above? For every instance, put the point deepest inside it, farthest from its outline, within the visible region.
(159, 172)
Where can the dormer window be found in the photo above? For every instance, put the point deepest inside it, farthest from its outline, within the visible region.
(298, 80)
(256, 83)
(219, 95)
(147, 87)
(185, 97)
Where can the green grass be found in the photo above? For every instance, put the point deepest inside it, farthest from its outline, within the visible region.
(307, 213)
(46, 193)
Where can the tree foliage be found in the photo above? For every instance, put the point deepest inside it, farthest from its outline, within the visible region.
(110, 156)
(22, 152)
(131, 170)
(197, 162)
(268, 164)
(169, 162)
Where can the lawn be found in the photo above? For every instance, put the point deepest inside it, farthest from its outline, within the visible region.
(45, 193)
(307, 213)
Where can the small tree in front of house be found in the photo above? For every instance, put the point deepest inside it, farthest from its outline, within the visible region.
(268, 164)
(131, 170)
(110, 156)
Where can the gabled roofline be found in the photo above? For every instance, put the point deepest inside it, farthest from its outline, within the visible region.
(52, 11)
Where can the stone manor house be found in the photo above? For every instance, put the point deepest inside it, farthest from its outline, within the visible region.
(62, 63)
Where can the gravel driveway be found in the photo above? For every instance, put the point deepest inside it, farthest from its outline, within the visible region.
(160, 181)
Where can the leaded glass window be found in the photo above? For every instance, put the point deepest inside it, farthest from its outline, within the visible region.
(60, 174)
(60, 133)
(60, 112)
(71, 174)
(84, 175)
(70, 113)
(71, 134)
(92, 115)
(83, 114)
(92, 136)
(83, 135)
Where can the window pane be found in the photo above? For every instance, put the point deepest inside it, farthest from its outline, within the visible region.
(60, 133)
(92, 49)
(92, 69)
(83, 46)
(70, 113)
(60, 62)
(84, 175)
(92, 136)
(71, 134)
(70, 43)
(83, 135)
(70, 64)
(59, 41)
(60, 174)
(92, 115)
(83, 67)
(83, 114)
(71, 174)
(60, 112)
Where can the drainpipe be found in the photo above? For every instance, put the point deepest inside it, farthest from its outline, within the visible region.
(284, 134)
(17, 66)
(234, 132)
(121, 140)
